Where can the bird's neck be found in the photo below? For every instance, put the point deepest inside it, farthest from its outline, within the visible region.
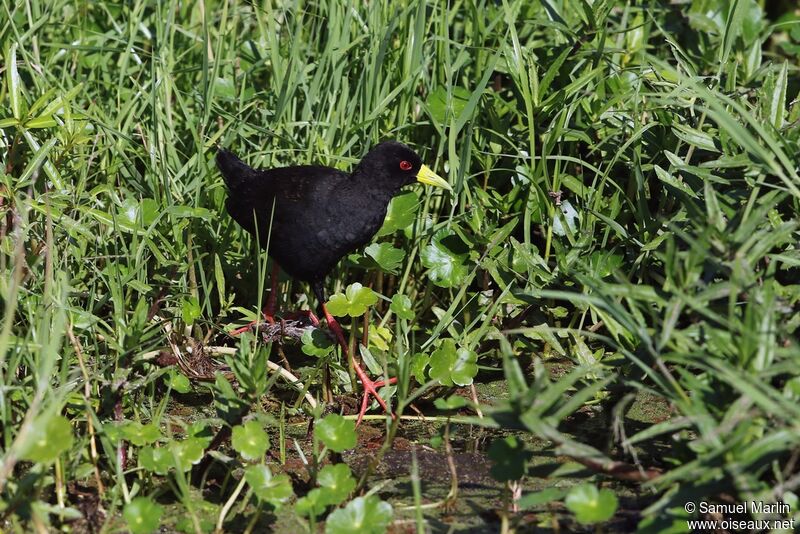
(370, 189)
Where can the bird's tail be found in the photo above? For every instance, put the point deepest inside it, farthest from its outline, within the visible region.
(235, 172)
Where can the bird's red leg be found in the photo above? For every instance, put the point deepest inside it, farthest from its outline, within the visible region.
(370, 386)
(272, 303)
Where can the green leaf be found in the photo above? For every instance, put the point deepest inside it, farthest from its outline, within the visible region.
(200, 431)
(149, 210)
(179, 382)
(380, 337)
(128, 212)
(219, 278)
(187, 524)
(224, 88)
(453, 402)
(668, 179)
(190, 212)
(354, 302)
(44, 121)
(316, 342)
(419, 363)
(139, 434)
(38, 160)
(569, 215)
(13, 82)
(451, 365)
(402, 307)
(275, 490)
(142, 515)
(250, 440)
(591, 505)
(603, 263)
(336, 432)
(387, 257)
(186, 453)
(362, 515)
(508, 457)
(439, 104)
(538, 498)
(156, 460)
(447, 266)
(695, 137)
(314, 503)
(401, 213)
(49, 435)
(337, 483)
(190, 310)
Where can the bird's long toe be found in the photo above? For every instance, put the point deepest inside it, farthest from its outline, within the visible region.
(371, 388)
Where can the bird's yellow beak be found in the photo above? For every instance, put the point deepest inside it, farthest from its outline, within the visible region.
(428, 177)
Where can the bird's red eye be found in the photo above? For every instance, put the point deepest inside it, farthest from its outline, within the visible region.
(405, 165)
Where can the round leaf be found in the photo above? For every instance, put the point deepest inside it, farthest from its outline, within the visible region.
(250, 440)
(179, 382)
(49, 436)
(447, 268)
(591, 505)
(450, 365)
(401, 213)
(142, 515)
(199, 430)
(139, 434)
(186, 453)
(336, 432)
(312, 504)
(337, 483)
(156, 460)
(402, 307)
(387, 257)
(419, 363)
(316, 342)
(275, 490)
(362, 515)
(354, 302)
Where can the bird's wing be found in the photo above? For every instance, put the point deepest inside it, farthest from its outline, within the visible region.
(298, 193)
(304, 184)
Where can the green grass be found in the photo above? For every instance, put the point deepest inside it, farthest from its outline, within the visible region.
(622, 240)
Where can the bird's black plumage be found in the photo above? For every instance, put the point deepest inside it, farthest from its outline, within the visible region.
(312, 216)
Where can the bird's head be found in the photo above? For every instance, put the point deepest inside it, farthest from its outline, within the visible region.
(397, 165)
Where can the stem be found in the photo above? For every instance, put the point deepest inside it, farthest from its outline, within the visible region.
(87, 396)
(229, 504)
(417, 488)
(452, 495)
(60, 483)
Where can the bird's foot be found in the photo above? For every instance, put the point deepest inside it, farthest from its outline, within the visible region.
(269, 318)
(371, 388)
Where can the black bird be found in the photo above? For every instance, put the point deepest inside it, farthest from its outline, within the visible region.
(309, 217)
